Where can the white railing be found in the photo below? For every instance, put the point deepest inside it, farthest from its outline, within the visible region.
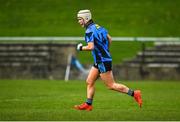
(73, 38)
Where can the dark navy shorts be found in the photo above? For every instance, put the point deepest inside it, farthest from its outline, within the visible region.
(103, 66)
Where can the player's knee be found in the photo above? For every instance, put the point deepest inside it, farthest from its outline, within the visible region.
(110, 86)
(89, 82)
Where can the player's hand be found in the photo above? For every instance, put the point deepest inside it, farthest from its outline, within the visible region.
(79, 46)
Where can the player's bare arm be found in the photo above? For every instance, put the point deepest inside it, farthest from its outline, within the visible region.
(109, 39)
(88, 47)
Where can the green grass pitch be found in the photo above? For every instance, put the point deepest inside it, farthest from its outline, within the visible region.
(54, 100)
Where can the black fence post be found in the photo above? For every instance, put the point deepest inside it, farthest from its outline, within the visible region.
(50, 61)
(142, 63)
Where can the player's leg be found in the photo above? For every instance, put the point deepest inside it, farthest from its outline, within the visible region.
(90, 81)
(108, 79)
(106, 75)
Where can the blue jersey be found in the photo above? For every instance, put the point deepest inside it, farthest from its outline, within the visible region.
(98, 35)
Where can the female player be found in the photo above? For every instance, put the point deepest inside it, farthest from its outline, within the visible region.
(98, 41)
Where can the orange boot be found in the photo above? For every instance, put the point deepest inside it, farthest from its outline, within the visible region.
(137, 97)
(83, 106)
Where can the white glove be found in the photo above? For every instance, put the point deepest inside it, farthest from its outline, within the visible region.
(79, 46)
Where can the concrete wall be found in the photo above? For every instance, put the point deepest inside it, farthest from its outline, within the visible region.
(34, 61)
(125, 72)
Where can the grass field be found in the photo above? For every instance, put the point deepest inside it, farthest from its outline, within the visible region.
(54, 100)
(120, 17)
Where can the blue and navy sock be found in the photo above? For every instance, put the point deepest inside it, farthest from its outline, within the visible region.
(89, 101)
(130, 92)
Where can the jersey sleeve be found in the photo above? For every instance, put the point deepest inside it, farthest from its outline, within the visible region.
(105, 31)
(89, 36)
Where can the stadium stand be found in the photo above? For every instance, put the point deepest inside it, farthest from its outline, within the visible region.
(159, 62)
(164, 54)
(38, 60)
